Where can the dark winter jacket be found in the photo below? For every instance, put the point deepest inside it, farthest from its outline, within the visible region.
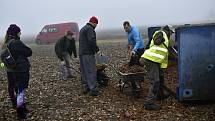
(20, 53)
(65, 45)
(87, 40)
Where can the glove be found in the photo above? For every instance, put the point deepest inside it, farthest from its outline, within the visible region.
(133, 52)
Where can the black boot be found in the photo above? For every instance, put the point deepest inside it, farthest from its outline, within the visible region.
(70, 76)
(151, 106)
(22, 112)
(13, 101)
(85, 90)
(94, 93)
(163, 94)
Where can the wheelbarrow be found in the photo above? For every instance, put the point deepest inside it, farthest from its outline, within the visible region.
(129, 79)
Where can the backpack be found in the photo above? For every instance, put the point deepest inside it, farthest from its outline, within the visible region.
(7, 58)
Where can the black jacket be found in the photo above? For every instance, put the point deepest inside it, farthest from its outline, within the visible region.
(87, 41)
(65, 45)
(20, 53)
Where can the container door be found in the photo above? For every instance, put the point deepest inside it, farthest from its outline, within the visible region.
(196, 45)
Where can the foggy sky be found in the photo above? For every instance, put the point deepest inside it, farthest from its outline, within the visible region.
(32, 15)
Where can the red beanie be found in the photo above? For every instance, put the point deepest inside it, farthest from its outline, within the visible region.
(93, 19)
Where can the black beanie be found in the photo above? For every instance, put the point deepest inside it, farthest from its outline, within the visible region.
(13, 30)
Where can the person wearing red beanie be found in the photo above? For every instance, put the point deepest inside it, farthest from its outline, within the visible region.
(87, 50)
(93, 21)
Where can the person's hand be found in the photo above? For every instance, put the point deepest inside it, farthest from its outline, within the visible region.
(99, 53)
(133, 52)
(75, 60)
(62, 63)
(130, 47)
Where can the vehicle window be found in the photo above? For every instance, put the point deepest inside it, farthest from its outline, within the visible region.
(52, 30)
(44, 30)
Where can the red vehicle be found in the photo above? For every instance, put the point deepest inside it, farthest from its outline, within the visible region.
(51, 33)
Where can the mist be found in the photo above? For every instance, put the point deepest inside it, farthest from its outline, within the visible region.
(32, 15)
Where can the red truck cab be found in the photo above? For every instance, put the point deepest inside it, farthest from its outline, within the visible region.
(52, 32)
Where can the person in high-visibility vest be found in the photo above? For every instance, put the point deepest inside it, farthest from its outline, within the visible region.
(155, 59)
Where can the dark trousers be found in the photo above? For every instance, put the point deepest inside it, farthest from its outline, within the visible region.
(135, 58)
(153, 74)
(88, 71)
(161, 76)
(17, 82)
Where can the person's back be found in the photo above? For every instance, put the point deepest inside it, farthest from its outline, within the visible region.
(87, 40)
(20, 53)
(18, 76)
(87, 50)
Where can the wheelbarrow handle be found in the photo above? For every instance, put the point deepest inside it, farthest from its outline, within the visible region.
(75, 70)
(175, 50)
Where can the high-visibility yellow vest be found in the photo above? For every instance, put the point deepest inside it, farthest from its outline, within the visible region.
(158, 53)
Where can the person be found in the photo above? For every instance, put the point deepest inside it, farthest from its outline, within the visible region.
(87, 50)
(102, 77)
(135, 50)
(64, 48)
(135, 43)
(155, 59)
(18, 76)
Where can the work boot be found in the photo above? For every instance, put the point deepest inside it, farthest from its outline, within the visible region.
(13, 101)
(151, 106)
(22, 112)
(163, 94)
(70, 76)
(94, 92)
(85, 90)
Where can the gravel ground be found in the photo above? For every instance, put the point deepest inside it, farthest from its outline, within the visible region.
(51, 98)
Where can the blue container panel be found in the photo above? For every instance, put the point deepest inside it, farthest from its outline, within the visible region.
(151, 31)
(196, 51)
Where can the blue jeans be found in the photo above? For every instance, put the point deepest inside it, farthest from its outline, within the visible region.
(17, 82)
